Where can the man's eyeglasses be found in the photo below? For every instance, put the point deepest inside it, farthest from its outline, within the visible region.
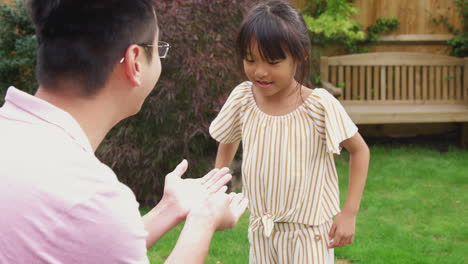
(163, 48)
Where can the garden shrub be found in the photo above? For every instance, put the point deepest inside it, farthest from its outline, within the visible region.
(197, 76)
(459, 42)
(331, 23)
(17, 48)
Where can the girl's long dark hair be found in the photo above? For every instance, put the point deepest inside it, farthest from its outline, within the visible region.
(277, 28)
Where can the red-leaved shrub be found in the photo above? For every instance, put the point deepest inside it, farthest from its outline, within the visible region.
(198, 74)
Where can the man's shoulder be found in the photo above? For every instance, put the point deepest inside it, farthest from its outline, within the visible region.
(74, 203)
(23, 140)
(44, 162)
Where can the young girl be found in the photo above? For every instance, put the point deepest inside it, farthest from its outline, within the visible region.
(289, 134)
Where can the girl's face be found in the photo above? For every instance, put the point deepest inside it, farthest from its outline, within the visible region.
(270, 78)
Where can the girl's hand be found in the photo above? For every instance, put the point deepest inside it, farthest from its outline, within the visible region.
(342, 230)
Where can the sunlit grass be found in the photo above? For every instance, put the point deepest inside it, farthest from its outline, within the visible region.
(413, 211)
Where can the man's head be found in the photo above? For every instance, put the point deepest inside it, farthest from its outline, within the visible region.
(81, 42)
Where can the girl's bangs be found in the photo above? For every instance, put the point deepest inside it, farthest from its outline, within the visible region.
(267, 34)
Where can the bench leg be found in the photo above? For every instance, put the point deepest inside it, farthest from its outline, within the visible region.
(464, 135)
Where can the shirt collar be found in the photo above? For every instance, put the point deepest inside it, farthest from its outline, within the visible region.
(45, 112)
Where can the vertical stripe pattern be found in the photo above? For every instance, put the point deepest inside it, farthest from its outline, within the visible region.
(291, 243)
(288, 170)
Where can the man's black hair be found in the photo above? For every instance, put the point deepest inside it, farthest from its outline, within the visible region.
(81, 41)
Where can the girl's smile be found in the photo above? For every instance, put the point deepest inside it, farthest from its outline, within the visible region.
(263, 84)
(272, 78)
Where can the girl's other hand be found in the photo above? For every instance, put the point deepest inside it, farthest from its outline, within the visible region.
(342, 230)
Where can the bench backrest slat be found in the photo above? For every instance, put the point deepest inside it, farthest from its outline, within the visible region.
(398, 77)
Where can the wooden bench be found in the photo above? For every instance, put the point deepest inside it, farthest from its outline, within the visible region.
(399, 87)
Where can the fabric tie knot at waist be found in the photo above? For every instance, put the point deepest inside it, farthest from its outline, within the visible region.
(268, 224)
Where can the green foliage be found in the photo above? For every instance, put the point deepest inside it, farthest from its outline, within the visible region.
(18, 46)
(331, 22)
(459, 45)
(382, 25)
(459, 42)
(335, 20)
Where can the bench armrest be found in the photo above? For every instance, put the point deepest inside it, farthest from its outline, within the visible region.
(337, 92)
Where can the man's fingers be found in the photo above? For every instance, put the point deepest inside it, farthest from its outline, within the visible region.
(222, 189)
(208, 176)
(213, 179)
(243, 204)
(231, 196)
(239, 209)
(236, 199)
(219, 183)
(180, 169)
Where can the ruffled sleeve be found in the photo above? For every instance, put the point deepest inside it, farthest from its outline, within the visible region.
(331, 120)
(227, 126)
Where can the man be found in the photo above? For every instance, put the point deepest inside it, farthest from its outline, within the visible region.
(97, 62)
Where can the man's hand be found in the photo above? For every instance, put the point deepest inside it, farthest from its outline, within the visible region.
(185, 194)
(221, 210)
(342, 230)
(218, 211)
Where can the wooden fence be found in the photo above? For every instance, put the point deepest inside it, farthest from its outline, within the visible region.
(417, 32)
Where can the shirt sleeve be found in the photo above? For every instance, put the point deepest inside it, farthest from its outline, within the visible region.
(226, 127)
(332, 122)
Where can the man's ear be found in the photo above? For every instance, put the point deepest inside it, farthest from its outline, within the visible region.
(132, 64)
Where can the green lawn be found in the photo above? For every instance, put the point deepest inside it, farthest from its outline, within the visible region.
(413, 211)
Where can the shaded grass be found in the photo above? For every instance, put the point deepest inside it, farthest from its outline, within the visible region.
(413, 211)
